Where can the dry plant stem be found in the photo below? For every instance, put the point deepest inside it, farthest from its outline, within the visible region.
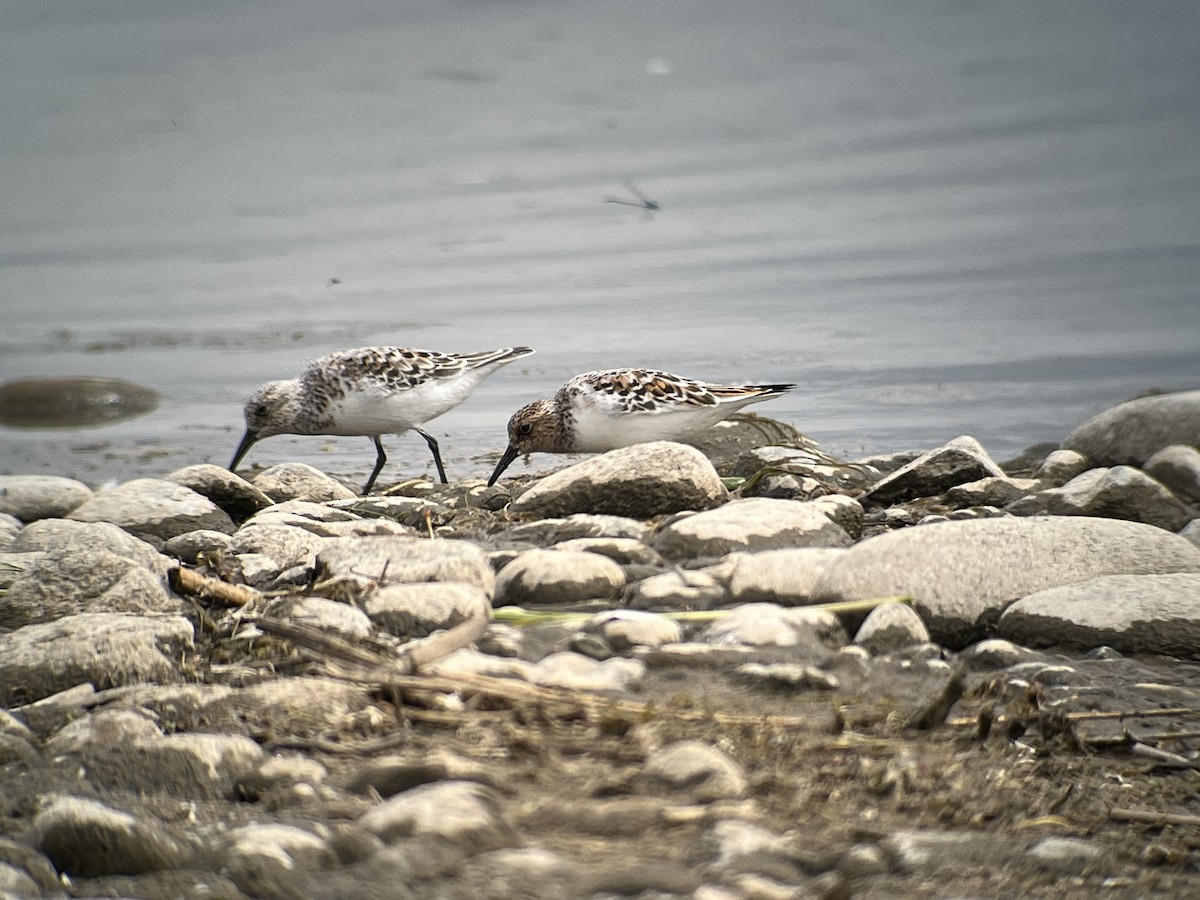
(192, 584)
(973, 721)
(1119, 814)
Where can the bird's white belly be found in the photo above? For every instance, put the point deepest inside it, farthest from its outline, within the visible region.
(597, 431)
(376, 412)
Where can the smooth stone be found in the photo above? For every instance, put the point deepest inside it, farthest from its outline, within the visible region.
(33, 497)
(86, 839)
(260, 857)
(624, 551)
(558, 576)
(283, 545)
(784, 487)
(403, 560)
(1178, 467)
(792, 676)
(1145, 614)
(886, 463)
(994, 653)
(154, 510)
(843, 511)
(957, 462)
(545, 532)
(189, 548)
(69, 582)
(464, 813)
(785, 577)
(628, 628)
(82, 537)
(1132, 432)
(640, 482)
(749, 525)
(234, 494)
(889, 627)
(297, 706)
(106, 649)
(927, 850)
(677, 589)
(16, 883)
(191, 766)
(329, 616)
(416, 610)
(963, 574)
(1121, 492)
(297, 481)
(862, 861)
(696, 769)
(579, 673)
(1191, 533)
(732, 840)
(104, 727)
(390, 775)
(1065, 855)
(769, 625)
(472, 662)
(1060, 467)
(276, 773)
(995, 490)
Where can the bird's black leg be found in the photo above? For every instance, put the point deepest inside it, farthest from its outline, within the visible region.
(437, 457)
(380, 459)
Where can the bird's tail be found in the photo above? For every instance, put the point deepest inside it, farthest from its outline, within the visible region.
(490, 357)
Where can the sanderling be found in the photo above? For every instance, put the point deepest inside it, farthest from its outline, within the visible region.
(371, 391)
(599, 411)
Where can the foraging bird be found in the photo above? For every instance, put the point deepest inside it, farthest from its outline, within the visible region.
(599, 411)
(371, 391)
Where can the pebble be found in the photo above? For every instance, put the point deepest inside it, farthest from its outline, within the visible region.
(1060, 467)
(889, 627)
(558, 576)
(32, 497)
(678, 589)
(463, 813)
(628, 628)
(768, 625)
(86, 838)
(1178, 467)
(749, 525)
(785, 577)
(232, 493)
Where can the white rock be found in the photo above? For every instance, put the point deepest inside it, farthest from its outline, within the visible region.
(891, 626)
(750, 525)
(558, 576)
(677, 589)
(155, 510)
(1060, 467)
(769, 625)
(297, 481)
(420, 609)
(580, 673)
(785, 577)
(628, 628)
(462, 812)
(697, 769)
(32, 497)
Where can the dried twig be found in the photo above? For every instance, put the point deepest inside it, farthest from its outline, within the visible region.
(1118, 814)
(193, 584)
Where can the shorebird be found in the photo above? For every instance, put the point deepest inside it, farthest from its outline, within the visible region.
(370, 391)
(599, 411)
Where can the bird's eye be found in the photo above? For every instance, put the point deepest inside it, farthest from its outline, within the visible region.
(525, 428)
(262, 409)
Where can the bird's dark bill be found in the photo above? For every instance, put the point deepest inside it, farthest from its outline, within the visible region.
(505, 461)
(248, 441)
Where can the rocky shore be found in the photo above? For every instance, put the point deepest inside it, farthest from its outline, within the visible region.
(749, 672)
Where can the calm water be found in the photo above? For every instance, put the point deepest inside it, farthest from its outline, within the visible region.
(938, 217)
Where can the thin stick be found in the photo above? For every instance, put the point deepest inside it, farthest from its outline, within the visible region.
(1119, 814)
(193, 584)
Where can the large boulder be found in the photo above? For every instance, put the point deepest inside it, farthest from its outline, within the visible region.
(1132, 432)
(154, 510)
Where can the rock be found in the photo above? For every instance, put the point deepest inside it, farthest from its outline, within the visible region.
(757, 524)
(1060, 467)
(104, 727)
(991, 491)
(1025, 463)
(842, 510)
(191, 766)
(83, 537)
(283, 545)
(768, 625)
(558, 576)
(33, 497)
(641, 481)
(154, 510)
(472, 662)
(1191, 532)
(581, 525)
(277, 773)
(1117, 493)
(1178, 467)
(1142, 614)
(624, 551)
(862, 861)
(785, 577)
(189, 548)
(10, 526)
(677, 589)
(33, 865)
(889, 627)
(963, 574)
(86, 839)
(957, 462)
(578, 673)
(403, 560)
(260, 859)
(106, 649)
(68, 582)
(994, 653)
(627, 628)
(789, 676)
(416, 610)
(296, 706)
(297, 481)
(732, 840)
(234, 494)
(1065, 855)
(461, 812)
(390, 775)
(1132, 432)
(329, 616)
(695, 769)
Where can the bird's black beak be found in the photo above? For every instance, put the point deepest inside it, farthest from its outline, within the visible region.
(249, 439)
(505, 461)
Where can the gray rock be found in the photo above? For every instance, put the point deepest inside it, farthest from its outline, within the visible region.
(558, 576)
(625, 551)
(843, 511)
(1060, 467)
(330, 616)
(963, 574)
(104, 727)
(10, 526)
(261, 858)
(403, 560)
(677, 589)
(1065, 855)
(234, 494)
(15, 882)
(188, 548)
(472, 662)
(790, 676)
(956, 462)
(732, 840)
(1131, 613)
(1191, 532)
(280, 772)
(416, 610)
(887, 462)
(750, 525)
(283, 545)
(33, 497)
(921, 851)
(579, 673)
(641, 481)
(994, 490)
(578, 526)
(1121, 492)
(299, 706)
(464, 813)
(1132, 432)
(628, 628)
(154, 510)
(1178, 467)
(33, 865)
(106, 649)
(994, 653)
(62, 583)
(785, 577)
(297, 481)
(192, 766)
(889, 627)
(390, 775)
(701, 772)
(862, 861)
(82, 537)
(87, 839)
(768, 625)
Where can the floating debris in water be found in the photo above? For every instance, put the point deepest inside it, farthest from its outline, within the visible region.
(72, 402)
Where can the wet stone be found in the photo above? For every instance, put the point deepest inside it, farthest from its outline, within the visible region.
(232, 493)
(994, 653)
(33, 497)
(889, 627)
(154, 510)
(558, 576)
(417, 610)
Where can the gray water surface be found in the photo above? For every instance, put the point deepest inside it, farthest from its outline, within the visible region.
(937, 217)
